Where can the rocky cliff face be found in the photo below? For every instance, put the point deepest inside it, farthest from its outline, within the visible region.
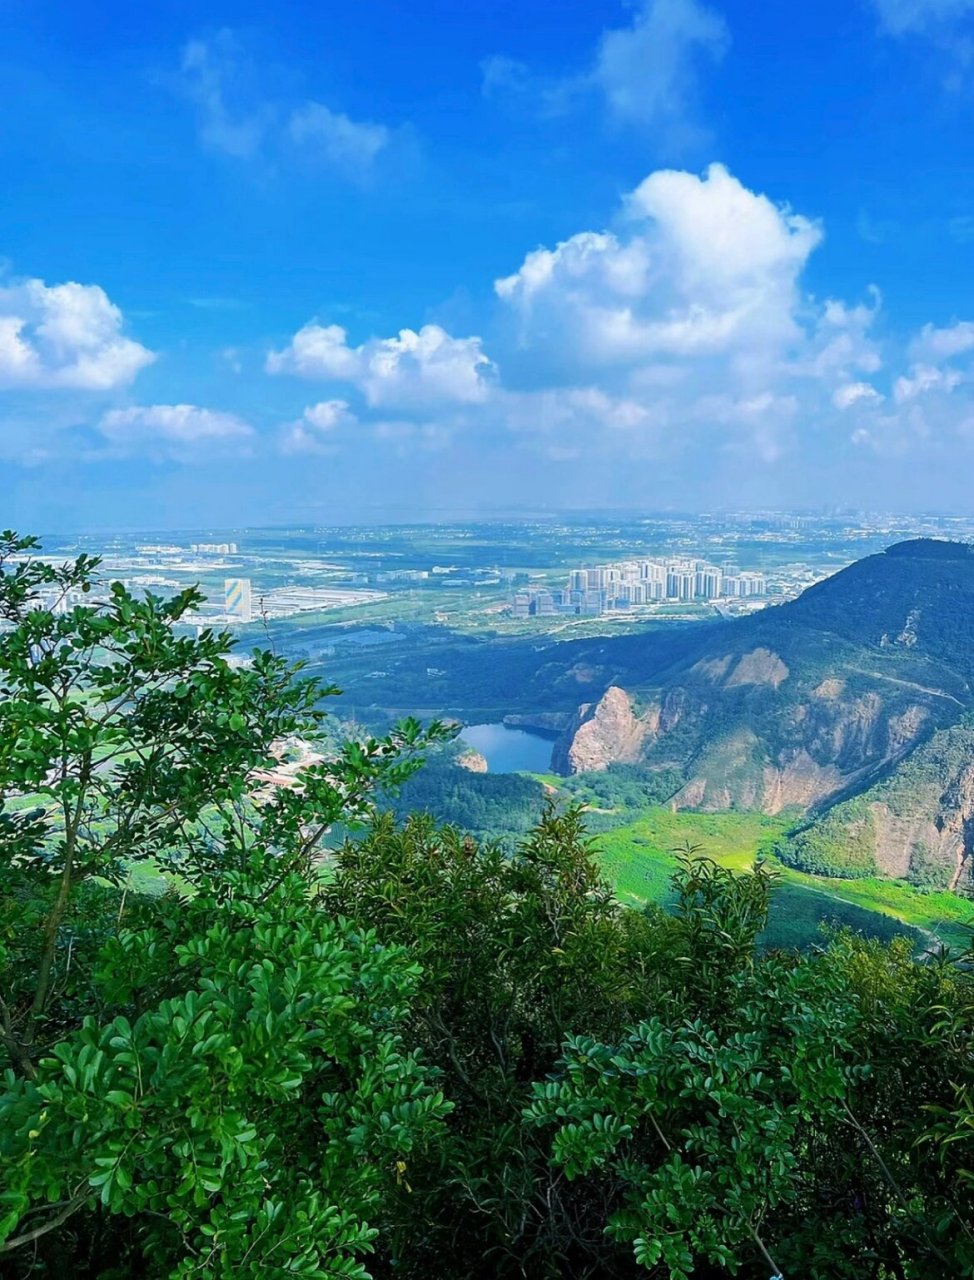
(816, 707)
(917, 823)
(743, 741)
(933, 842)
(605, 732)
(748, 732)
(955, 825)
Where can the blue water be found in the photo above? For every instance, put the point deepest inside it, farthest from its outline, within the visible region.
(509, 750)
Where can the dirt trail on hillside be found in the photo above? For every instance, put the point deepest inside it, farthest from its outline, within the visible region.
(910, 684)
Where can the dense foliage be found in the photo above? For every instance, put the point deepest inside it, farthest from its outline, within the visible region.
(514, 950)
(487, 803)
(621, 791)
(421, 1054)
(842, 843)
(211, 1082)
(502, 805)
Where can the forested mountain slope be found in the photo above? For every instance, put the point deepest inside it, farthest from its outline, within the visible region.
(916, 824)
(794, 706)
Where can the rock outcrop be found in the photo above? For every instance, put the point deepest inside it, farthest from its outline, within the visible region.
(916, 824)
(747, 735)
(605, 732)
(804, 708)
(932, 843)
(473, 761)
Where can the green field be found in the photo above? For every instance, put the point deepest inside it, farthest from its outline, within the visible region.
(640, 857)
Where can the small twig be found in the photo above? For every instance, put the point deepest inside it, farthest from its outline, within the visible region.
(659, 1133)
(15, 1242)
(764, 1253)
(893, 1184)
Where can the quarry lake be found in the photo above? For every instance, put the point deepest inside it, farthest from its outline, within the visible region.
(509, 750)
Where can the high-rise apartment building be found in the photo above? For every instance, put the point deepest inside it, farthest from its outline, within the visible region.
(752, 584)
(649, 580)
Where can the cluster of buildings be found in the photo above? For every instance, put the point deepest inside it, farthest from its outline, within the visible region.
(238, 605)
(284, 602)
(639, 582)
(57, 600)
(215, 548)
(440, 574)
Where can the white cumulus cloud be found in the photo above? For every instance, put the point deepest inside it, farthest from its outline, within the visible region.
(683, 330)
(705, 266)
(65, 335)
(693, 308)
(173, 430)
(415, 369)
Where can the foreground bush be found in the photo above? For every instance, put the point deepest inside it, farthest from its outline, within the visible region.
(209, 1083)
(250, 1123)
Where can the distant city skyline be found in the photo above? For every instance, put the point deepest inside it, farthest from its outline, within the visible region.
(633, 254)
(468, 516)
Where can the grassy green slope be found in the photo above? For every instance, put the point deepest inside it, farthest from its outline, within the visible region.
(639, 859)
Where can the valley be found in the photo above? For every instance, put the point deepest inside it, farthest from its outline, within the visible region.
(638, 857)
(831, 733)
(827, 729)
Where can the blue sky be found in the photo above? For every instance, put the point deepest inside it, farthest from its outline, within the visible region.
(319, 262)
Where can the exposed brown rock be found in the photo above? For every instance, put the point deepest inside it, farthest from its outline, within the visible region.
(831, 687)
(473, 761)
(760, 666)
(713, 668)
(801, 783)
(606, 731)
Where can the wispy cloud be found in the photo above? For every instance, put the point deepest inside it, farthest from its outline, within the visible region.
(646, 73)
(351, 146)
(208, 303)
(649, 70)
(901, 17)
(235, 119)
(315, 430)
(179, 431)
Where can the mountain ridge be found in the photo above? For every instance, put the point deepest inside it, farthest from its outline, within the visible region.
(799, 708)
